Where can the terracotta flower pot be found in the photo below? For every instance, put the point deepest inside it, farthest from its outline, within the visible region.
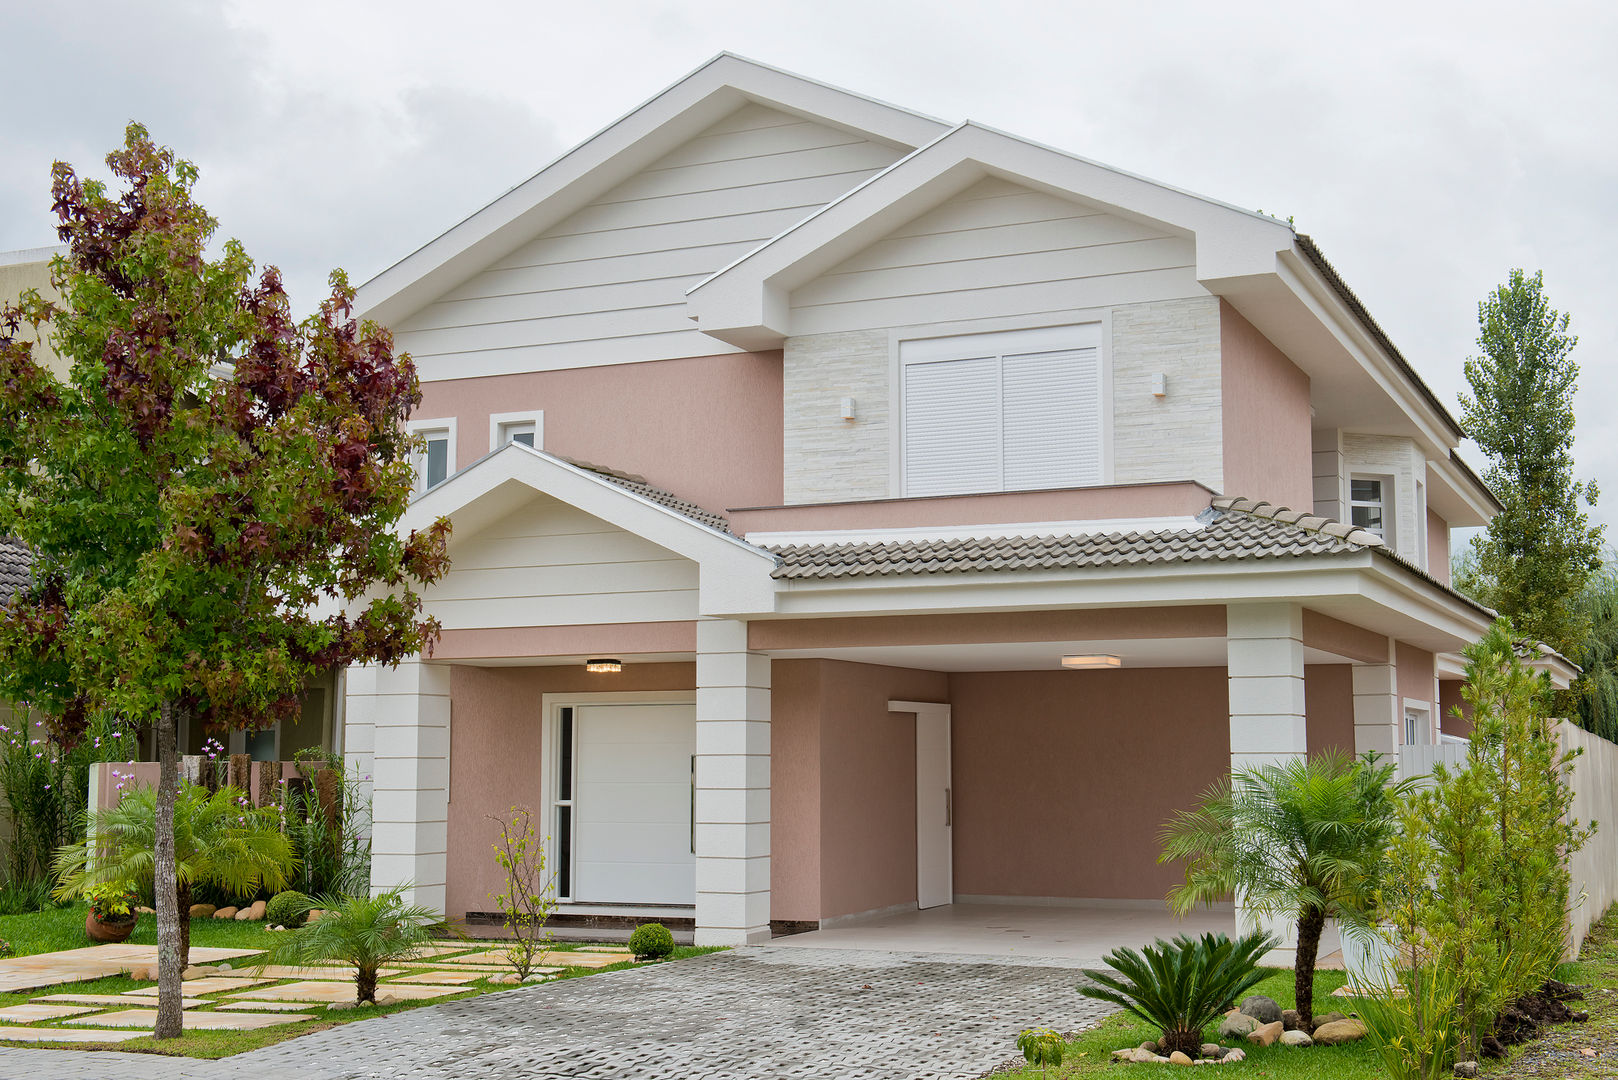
(107, 932)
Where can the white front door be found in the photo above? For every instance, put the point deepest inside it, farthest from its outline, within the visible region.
(632, 839)
(935, 812)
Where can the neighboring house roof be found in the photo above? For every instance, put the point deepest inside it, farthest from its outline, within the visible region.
(1229, 529)
(15, 561)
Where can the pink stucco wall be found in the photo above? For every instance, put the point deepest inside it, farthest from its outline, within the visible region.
(1266, 417)
(1449, 700)
(1063, 779)
(1437, 547)
(1344, 639)
(1328, 695)
(795, 708)
(707, 428)
(1415, 672)
(989, 626)
(868, 785)
(494, 759)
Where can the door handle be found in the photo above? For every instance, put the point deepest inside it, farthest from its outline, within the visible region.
(949, 807)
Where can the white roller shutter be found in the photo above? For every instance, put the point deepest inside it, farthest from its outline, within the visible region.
(1011, 411)
(952, 426)
(1052, 419)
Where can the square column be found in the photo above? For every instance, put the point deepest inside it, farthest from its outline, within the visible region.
(733, 787)
(1376, 708)
(403, 714)
(1264, 662)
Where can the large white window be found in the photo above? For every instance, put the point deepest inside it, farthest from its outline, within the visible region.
(435, 461)
(1011, 411)
(1370, 505)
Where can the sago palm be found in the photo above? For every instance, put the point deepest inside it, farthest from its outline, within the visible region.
(1305, 840)
(365, 931)
(220, 841)
(1181, 986)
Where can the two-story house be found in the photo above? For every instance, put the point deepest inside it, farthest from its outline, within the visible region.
(856, 511)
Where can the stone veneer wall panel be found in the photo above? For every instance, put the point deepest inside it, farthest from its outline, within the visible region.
(828, 458)
(1178, 436)
(1397, 457)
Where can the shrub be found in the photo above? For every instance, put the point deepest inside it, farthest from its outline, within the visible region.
(111, 902)
(46, 785)
(1181, 986)
(651, 941)
(1410, 1021)
(289, 909)
(1306, 840)
(1043, 1047)
(328, 821)
(26, 897)
(365, 931)
(528, 899)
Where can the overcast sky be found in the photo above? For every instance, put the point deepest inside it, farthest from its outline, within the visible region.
(1428, 147)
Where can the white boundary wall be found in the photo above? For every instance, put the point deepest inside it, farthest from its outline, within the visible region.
(1595, 798)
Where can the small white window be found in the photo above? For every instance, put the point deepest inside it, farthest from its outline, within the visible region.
(527, 428)
(435, 458)
(1012, 411)
(1416, 725)
(1368, 505)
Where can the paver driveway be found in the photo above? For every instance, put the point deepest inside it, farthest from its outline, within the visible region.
(749, 1013)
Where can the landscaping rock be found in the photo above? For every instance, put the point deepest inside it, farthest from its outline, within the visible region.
(225, 966)
(1126, 1054)
(143, 910)
(1235, 1025)
(252, 913)
(1262, 1009)
(387, 999)
(1146, 1057)
(224, 913)
(1339, 1031)
(202, 911)
(142, 974)
(536, 977)
(1296, 1038)
(1329, 1018)
(1266, 1034)
(1291, 1020)
(1466, 1070)
(1178, 1058)
(196, 971)
(315, 915)
(1234, 1055)
(1212, 1050)
(1150, 1047)
(341, 1006)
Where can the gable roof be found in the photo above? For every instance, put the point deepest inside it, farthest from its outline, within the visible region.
(746, 303)
(646, 133)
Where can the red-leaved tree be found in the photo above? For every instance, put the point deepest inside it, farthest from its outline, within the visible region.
(210, 495)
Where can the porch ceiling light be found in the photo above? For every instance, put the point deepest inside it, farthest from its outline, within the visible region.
(1099, 660)
(603, 664)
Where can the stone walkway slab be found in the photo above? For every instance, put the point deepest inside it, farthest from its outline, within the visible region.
(262, 1006)
(67, 1035)
(34, 1012)
(197, 1021)
(321, 972)
(208, 984)
(113, 999)
(93, 962)
(441, 978)
(311, 990)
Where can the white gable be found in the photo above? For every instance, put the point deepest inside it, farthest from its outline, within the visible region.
(998, 249)
(607, 284)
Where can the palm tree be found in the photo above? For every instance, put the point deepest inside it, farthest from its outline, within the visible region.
(220, 841)
(366, 931)
(1305, 840)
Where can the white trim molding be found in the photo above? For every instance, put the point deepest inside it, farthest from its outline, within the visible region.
(499, 421)
(418, 460)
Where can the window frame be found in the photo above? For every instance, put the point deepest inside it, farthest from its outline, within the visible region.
(1079, 322)
(500, 421)
(418, 459)
(1386, 504)
(1423, 716)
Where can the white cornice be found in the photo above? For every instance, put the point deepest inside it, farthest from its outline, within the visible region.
(1090, 527)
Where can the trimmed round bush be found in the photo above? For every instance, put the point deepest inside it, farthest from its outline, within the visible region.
(289, 909)
(651, 941)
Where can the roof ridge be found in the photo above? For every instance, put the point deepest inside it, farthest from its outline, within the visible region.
(1299, 519)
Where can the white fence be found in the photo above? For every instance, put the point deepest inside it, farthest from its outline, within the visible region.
(1418, 761)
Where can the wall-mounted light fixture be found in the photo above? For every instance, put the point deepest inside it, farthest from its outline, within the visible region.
(603, 664)
(846, 408)
(1098, 660)
(1160, 384)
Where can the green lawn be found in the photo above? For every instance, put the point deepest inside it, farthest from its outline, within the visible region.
(1090, 1053)
(55, 929)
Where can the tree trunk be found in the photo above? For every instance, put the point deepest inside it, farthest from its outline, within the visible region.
(170, 950)
(365, 984)
(182, 903)
(1310, 923)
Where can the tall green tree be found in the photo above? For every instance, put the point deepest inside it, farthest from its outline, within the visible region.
(1534, 559)
(210, 495)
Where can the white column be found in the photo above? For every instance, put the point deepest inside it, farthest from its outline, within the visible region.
(733, 787)
(1264, 661)
(1376, 708)
(408, 711)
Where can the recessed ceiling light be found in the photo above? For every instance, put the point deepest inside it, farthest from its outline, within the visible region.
(1099, 660)
(603, 664)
